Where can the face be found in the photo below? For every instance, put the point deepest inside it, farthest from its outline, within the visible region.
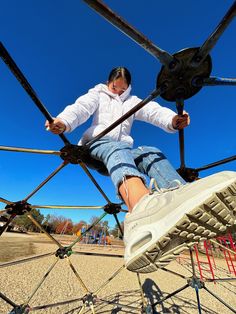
(118, 86)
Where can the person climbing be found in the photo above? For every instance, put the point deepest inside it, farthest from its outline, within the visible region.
(164, 221)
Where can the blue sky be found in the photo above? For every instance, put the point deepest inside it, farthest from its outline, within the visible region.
(64, 48)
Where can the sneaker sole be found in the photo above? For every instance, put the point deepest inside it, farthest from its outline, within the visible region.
(212, 218)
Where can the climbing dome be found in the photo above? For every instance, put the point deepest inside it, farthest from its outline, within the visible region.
(182, 75)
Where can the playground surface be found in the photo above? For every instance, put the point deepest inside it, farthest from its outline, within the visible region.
(18, 281)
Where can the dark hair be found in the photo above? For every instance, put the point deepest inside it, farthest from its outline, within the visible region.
(120, 72)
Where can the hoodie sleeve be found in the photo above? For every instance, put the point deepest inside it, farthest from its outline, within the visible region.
(157, 115)
(79, 112)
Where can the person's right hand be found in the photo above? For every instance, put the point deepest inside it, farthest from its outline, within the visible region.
(56, 127)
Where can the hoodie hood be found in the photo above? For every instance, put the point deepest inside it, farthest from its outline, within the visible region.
(122, 97)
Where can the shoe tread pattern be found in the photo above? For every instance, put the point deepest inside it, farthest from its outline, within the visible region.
(213, 218)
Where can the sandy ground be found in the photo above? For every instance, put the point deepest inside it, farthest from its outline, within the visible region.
(50, 284)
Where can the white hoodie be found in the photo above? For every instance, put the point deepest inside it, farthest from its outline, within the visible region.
(107, 107)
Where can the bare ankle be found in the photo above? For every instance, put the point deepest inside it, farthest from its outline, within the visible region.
(132, 189)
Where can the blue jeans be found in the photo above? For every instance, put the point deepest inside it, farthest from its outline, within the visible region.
(122, 161)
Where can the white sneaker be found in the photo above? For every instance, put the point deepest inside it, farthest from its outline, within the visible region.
(164, 224)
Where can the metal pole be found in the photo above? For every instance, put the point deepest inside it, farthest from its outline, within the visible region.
(153, 95)
(213, 38)
(164, 57)
(27, 87)
(180, 107)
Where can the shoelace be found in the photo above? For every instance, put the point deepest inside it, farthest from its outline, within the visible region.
(153, 186)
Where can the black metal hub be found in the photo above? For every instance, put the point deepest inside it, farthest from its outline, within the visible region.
(147, 309)
(188, 174)
(181, 83)
(21, 309)
(196, 283)
(112, 208)
(63, 252)
(74, 154)
(89, 299)
(18, 208)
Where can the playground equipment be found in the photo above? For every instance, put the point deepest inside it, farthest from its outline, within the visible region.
(183, 74)
(228, 248)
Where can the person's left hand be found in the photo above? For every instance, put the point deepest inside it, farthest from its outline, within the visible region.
(181, 121)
